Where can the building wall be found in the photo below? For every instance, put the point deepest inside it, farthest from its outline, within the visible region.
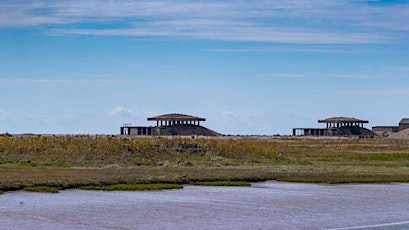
(385, 131)
(310, 132)
(403, 126)
(140, 131)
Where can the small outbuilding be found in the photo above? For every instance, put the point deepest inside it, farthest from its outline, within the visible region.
(404, 124)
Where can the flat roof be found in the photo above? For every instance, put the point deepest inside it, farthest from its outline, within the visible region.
(342, 120)
(176, 117)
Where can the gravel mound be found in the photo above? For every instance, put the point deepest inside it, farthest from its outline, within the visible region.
(404, 134)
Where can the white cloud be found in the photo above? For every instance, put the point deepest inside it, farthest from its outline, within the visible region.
(248, 33)
(311, 21)
(122, 111)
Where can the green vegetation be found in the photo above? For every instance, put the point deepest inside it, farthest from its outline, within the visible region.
(223, 183)
(133, 187)
(44, 189)
(65, 162)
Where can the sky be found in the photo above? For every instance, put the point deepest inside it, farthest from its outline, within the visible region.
(248, 67)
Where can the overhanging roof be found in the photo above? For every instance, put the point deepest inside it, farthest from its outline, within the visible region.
(176, 117)
(342, 120)
(404, 121)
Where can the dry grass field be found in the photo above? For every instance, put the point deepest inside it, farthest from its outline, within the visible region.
(64, 162)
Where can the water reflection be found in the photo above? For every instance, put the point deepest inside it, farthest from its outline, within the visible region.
(269, 205)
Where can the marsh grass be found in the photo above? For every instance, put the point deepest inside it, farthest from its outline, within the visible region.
(43, 189)
(222, 183)
(133, 187)
(65, 162)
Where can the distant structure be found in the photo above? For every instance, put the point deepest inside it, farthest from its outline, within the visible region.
(176, 119)
(385, 131)
(404, 124)
(336, 126)
(169, 125)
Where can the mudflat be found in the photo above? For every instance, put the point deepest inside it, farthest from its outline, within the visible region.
(265, 205)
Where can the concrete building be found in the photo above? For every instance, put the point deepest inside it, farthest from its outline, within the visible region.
(169, 125)
(336, 126)
(404, 124)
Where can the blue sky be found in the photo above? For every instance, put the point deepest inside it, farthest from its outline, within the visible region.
(248, 67)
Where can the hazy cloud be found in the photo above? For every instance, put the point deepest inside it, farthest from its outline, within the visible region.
(150, 113)
(286, 75)
(229, 114)
(3, 114)
(348, 76)
(385, 92)
(307, 49)
(25, 81)
(37, 122)
(404, 68)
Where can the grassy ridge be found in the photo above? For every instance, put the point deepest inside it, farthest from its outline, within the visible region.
(222, 183)
(133, 187)
(74, 161)
(44, 189)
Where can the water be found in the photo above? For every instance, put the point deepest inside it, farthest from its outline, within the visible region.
(269, 205)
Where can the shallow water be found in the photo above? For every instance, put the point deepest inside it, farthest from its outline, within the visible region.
(269, 205)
